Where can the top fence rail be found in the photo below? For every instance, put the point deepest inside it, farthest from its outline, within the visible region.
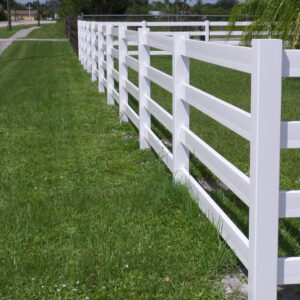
(161, 16)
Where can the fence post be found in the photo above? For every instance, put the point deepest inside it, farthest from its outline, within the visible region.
(123, 73)
(87, 45)
(81, 43)
(181, 110)
(207, 31)
(84, 45)
(265, 168)
(93, 51)
(79, 40)
(144, 86)
(89, 37)
(101, 42)
(110, 64)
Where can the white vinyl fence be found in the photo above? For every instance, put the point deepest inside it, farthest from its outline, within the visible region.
(267, 63)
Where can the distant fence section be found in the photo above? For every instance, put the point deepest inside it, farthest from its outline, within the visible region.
(71, 28)
(104, 46)
(154, 17)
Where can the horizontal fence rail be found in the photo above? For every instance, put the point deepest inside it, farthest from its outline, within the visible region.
(290, 134)
(228, 115)
(237, 58)
(103, 46)
(229, 231)
(237, 181)
(215, 31)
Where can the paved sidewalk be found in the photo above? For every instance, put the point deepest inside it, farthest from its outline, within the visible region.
(20, 34)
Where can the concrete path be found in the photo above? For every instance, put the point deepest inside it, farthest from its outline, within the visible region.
(20, 34)
(23, 33)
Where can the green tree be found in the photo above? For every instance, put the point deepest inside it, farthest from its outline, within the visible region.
(196, 9)
(212, 9)
(137, 7)
(167, 4)
(227, 4)
(17, 5)
(75, 7)
(4, 3)
(181, 7)
(281, 18)
(71, 7)
(3, 7)
(2, 14)
(108, 6)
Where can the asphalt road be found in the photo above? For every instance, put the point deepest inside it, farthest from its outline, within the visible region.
(16, 23)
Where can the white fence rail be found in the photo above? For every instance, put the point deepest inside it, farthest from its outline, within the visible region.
(267, 63)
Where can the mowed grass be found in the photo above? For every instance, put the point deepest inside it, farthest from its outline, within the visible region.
(49, 31)
(4, 33)
(84, 212)
(233, 87)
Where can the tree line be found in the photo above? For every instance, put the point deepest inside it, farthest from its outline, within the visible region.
(143, 7)
(281, 18)
(75, 7)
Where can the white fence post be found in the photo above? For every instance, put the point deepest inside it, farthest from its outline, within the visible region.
(123, 73)
(265, 168)
(89, 48)
(181, 110)
(110, 64)
(85, 45)
(93, 51)
(79, 40)
(207, 31)
(101, 42)
(82, 43)
(144, 86)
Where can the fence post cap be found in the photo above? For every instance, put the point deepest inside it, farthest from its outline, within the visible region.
(109, 28)
(122, 29)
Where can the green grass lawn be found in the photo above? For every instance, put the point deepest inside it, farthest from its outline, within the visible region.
(49, 31)
(81, 203)
(233, 87)
(84, 212)
(4, 33)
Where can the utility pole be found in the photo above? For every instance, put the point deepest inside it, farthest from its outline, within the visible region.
(8, 15)
(38, 11)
